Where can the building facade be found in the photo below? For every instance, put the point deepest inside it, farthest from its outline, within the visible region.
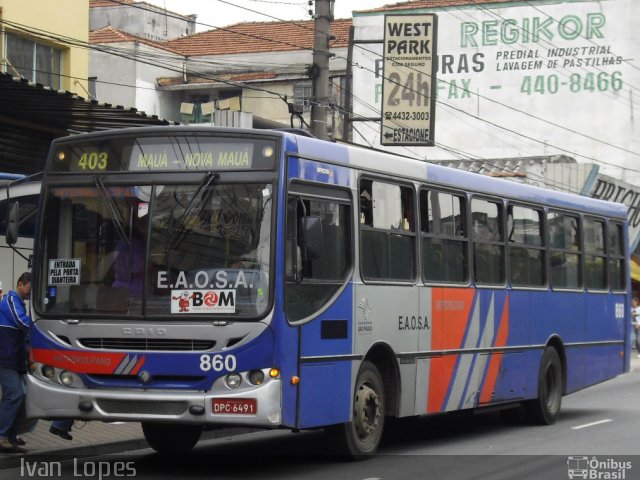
(524, 81)
(257, 68)
(40, 43)
(520, 79)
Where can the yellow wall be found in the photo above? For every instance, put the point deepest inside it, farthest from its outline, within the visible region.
(59, 18)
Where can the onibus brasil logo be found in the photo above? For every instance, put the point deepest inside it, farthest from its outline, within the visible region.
(596, 468)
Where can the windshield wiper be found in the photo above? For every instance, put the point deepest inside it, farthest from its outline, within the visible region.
(116, 215)
(203, 186)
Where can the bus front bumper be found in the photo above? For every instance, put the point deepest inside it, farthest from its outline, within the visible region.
(256, 407)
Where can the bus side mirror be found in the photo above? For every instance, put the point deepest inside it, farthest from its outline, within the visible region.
(13, 223)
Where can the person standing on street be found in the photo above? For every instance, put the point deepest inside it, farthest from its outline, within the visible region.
(14, 327)
(635, 321)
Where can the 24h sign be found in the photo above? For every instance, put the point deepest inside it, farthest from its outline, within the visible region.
(409, 80)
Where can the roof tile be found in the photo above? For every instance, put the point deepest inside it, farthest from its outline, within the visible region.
(113, 35)
(256, 37)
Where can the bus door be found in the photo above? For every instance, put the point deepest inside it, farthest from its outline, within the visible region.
(319, 297)
(388, 311)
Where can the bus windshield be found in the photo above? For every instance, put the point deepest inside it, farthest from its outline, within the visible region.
(157, 250)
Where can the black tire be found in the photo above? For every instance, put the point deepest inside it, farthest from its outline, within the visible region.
(171, 438)
(545, 409)
(359, 439)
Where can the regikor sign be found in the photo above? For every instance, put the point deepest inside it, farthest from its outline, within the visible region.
(409, 80)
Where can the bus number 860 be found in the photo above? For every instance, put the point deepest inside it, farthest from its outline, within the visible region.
(217, 363)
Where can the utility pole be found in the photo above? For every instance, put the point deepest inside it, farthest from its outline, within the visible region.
(320, 68)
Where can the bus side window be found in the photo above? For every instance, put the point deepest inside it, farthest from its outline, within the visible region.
(527, 254)
(444, 237)
(595, 254)
(615, 251)
(488, 242)
(318, 253)
(387, 244)
(565, 254)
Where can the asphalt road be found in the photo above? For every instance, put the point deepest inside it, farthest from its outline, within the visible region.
(596, 435)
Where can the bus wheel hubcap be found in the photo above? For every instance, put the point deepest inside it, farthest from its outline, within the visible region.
(367, 411)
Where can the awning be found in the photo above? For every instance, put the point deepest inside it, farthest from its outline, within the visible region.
(32, 115)
(635, 270)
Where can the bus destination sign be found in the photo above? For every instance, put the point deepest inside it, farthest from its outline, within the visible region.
(409, 80)
(225, 156)
(155, 154)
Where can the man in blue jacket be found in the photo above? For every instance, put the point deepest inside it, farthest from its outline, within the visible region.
(14, 326)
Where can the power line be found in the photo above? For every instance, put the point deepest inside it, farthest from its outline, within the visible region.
(554, 124)
(240, 84)
(497, 102)
(440, 101)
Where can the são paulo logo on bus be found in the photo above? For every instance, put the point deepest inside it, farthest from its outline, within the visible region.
(203, 301)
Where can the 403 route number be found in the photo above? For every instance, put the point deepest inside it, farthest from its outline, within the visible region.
(218, 363)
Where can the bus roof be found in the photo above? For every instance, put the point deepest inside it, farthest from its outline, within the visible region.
(388, 164)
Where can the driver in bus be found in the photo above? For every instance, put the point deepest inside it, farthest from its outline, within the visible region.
(129, 264)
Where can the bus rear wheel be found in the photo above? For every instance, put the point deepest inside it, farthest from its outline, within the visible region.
(171, 438)
(359, 439)
(545, 409)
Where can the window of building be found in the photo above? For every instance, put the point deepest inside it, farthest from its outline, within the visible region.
(387, 231)
(302, 97)
(444, 237)
(34, 61)
(526, 246)
(566, 254)
(488, 242)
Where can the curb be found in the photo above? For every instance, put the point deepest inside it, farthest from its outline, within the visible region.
(110, 448)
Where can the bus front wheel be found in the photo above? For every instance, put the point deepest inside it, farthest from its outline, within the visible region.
(359, 439)
(171, 438)
(545, 409)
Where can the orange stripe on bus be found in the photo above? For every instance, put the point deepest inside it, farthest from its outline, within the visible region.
(496, 358)
(451, 308)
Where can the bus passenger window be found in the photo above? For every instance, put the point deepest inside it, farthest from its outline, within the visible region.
(566, 257)
(595, 255)
(526, 247)
(444, 238)
(387, 244)
(615, 250)
(488, 244)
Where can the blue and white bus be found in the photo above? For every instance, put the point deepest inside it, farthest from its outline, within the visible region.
(193, 277)
(25, 191)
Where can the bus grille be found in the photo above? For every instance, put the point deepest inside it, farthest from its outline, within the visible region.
(148, 344)
(139, 407)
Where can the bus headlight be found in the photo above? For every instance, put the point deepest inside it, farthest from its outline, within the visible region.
(256, 377)
(66, 378)
(233, 380)
(48, 371)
